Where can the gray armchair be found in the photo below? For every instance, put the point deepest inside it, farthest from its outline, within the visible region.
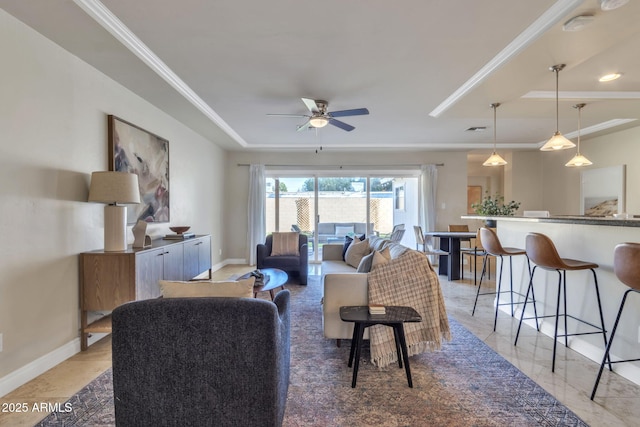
(296, 265)
(201, 361)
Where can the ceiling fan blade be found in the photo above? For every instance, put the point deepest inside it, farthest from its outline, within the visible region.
(304, 127)
(288, 115)
(354, 112)
(311, 105)
(341, 125)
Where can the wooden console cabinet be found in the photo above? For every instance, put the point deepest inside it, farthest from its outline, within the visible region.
(109, 279)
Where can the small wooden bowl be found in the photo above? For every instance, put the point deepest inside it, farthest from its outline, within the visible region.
(180, 229)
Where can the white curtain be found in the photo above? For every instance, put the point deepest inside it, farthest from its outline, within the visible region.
(428, 187)
(256, 229)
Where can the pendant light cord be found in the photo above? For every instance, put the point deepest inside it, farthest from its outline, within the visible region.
(494, 106)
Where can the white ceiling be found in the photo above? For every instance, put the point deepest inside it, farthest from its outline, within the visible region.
(232, 62)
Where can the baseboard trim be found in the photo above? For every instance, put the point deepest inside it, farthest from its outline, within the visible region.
(23, 375)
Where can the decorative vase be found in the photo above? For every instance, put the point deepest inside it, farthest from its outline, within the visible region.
(491, 223)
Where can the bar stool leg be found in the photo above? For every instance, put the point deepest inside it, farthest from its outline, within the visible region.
(555, 334)
(608, 349)
(566, 327)
(604, 332)
(524, 306)
(484, 264)
(495, 319)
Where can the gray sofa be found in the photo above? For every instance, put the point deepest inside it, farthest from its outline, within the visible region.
(335, 230)
(201, 361)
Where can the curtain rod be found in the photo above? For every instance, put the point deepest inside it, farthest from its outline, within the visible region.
(344, 166)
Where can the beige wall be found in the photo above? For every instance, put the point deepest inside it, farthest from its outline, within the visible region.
(53, 116)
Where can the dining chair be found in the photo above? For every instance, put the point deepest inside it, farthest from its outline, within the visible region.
(478, 251)
(427, 243)
(463, 249)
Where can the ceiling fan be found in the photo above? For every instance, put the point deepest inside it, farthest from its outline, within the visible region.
(320, 117)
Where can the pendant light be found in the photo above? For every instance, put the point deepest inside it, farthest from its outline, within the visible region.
(578, 160)
(557, 141)
(495, 159)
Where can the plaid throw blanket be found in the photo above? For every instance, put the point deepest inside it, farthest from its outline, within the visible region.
(408, 280)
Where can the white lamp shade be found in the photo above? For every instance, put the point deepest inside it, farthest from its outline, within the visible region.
(557, 142)
(114, 187)
(577, 161)
(495, 160)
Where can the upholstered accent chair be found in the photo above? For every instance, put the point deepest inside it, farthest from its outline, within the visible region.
(294, 264)
(213, 361)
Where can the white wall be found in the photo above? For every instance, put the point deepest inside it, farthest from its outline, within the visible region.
(53, 116)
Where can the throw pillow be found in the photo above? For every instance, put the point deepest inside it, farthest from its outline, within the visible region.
(357, 251)
(347, 243)
(285, 243)
(365, 263)
(179, 289)
(380, 258)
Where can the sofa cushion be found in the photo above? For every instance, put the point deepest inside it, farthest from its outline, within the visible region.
(332, 267)
(356, 251)
(285, 243)
(180, 289)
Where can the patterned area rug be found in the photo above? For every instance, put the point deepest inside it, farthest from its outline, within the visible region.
(464, 384)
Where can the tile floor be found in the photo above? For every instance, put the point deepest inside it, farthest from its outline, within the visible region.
(617, 402)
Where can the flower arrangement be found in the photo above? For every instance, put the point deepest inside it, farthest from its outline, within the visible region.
(495, 206)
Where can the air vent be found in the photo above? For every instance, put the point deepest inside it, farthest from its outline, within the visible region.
(477, 129)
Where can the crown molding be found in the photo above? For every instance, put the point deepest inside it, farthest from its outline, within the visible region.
(547, 20)
(110, 22)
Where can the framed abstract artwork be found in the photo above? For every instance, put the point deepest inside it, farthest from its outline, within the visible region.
(135, 150)
(474, 195)
(603, 191)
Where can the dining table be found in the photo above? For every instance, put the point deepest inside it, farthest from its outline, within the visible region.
(449, 264)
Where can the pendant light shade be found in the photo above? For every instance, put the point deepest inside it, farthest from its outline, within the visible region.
(495, 159)
(578, 160)
(557, 141)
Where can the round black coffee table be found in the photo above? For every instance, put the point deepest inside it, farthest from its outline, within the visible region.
(274, 278)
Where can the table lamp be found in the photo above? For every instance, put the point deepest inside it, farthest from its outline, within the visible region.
(113, 188)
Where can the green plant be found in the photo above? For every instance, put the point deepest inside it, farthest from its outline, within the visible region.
(495, 206)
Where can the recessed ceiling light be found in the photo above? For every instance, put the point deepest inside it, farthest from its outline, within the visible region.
(577, 22)
(477, 129)
(610, 77)
(612, 4)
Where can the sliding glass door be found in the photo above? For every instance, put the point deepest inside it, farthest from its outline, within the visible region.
(328, 208)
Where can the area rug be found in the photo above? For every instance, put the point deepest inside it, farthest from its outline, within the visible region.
(464, 384)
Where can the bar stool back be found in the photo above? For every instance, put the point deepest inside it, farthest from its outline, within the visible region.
(626, 266)
(493, 247)
(543, 253)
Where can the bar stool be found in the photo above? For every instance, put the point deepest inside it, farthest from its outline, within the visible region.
(541, 250)
(626, 266)
(477, 252)
(493, 247)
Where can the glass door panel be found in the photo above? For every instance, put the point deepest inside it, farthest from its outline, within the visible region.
(342, 209)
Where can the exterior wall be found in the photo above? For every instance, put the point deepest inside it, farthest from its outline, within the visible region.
(54, 125)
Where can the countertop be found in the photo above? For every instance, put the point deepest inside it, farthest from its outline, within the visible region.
(566, 219)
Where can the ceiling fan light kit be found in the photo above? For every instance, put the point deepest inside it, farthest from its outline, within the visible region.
(495, 159)
(318, 121)
(557, 141)
(320, 117)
